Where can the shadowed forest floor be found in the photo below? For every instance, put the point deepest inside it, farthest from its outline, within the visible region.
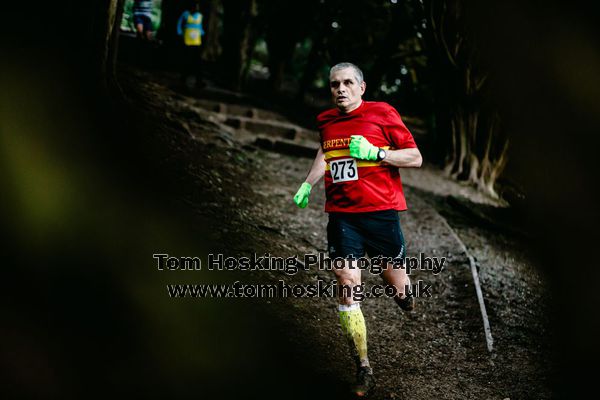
(244, 193)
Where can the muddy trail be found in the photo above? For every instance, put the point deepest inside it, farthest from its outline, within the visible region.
(236, 166)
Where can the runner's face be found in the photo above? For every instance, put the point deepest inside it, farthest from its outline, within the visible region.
(346, 92)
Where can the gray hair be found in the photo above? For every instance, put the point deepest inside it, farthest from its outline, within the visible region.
(357, 72)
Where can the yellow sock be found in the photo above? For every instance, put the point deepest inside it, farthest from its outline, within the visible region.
(353, 325)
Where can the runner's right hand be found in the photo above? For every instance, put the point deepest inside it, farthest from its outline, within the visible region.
(301, 197)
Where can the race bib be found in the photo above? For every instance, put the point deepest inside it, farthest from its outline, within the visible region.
(343, 170)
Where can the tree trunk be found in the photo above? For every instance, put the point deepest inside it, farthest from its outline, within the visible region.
(212, 46)
(170, 12)
(238, 16)
(113, 47)
(460, 83)
(315, 58)
(105, 28)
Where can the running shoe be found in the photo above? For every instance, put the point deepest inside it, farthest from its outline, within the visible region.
(407, 303)
(365, 381)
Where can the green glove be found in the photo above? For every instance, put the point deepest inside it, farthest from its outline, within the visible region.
(361, 148)
(301, 197)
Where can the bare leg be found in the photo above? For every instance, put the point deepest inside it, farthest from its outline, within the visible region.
(400, 280)
(396, 277)
(348, 277)
(139, 29)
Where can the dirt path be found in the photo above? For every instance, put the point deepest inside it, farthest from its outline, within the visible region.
(439, 350)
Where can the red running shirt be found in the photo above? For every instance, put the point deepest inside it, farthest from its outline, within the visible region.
(359, 185)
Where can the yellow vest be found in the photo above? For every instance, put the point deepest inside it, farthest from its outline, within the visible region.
(192, 32)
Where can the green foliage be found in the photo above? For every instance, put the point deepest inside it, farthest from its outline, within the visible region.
(300, 56)
(260, 59)
(322, 77)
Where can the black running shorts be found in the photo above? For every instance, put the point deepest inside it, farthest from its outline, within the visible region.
(378, 233)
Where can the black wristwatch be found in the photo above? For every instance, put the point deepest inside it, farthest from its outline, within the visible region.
(381, 154)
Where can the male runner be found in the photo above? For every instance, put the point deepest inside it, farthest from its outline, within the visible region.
(363, 144)
(142, 18)
(189, 26)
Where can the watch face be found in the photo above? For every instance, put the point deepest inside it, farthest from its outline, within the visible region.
(381, 154)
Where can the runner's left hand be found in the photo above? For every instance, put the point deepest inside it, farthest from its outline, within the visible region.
(361, 148)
